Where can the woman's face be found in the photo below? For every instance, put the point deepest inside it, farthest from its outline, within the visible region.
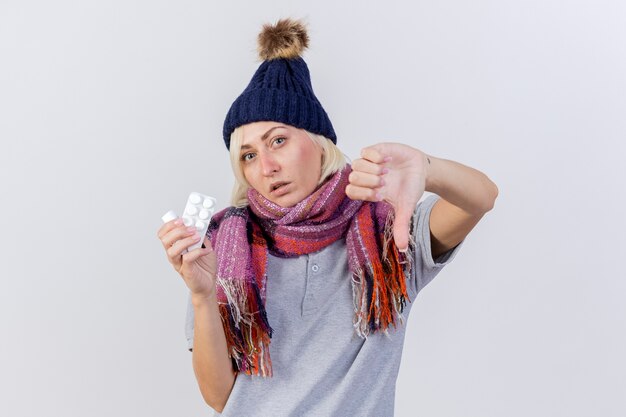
(280, 161)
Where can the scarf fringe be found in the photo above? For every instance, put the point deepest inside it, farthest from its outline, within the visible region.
(248, 332)
(386, 281)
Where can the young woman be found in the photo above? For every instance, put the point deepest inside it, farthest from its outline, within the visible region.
(298, 300)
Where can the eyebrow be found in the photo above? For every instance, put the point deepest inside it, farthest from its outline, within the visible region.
(265, 135)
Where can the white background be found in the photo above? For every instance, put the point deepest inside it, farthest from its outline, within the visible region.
(111, 113)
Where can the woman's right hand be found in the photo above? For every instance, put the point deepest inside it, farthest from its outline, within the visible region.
(198, 267)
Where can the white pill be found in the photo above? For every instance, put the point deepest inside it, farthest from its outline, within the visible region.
(170, 215)
(204, 214)
(187, 221)
(195, 199)
(208, 203)
(192, 211)
(200, 225)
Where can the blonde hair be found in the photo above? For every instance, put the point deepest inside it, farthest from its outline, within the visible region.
(332, 161)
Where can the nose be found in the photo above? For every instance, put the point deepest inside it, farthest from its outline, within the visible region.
(269, 165)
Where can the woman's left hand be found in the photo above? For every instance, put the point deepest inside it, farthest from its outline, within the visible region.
(395, 173)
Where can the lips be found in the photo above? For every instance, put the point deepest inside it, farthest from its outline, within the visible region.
(277, 186)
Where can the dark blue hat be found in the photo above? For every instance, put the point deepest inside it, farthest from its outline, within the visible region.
(280, 89)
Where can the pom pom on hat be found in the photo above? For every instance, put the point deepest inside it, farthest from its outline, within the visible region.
(286, 39)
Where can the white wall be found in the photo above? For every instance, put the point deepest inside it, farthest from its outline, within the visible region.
(111, 113)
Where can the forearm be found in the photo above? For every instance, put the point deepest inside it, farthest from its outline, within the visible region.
(211, 363)
(465, 187)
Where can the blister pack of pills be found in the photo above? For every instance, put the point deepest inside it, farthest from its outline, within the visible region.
(198, 212)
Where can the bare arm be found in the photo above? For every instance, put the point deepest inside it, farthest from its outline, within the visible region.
(466, 195)
(211, 363)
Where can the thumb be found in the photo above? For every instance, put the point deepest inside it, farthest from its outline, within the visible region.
(401, 229)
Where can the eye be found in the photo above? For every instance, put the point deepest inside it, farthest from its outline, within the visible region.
(247, 156)
(279, 140)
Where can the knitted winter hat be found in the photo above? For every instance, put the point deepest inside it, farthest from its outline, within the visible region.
(280, 89)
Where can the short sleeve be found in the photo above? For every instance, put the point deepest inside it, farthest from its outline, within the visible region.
(425, 268)
(189, 319)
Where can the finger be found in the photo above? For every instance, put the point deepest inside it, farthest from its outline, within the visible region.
(363, 193)
(376, 154)
(169, 226)
(198, 252)
(401, 229)
(363, 165)
(363, 179)
(175, 251)
(177, 234)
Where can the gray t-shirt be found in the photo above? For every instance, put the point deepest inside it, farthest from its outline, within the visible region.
(321, 368)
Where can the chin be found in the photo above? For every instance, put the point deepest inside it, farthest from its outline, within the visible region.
(286, 201)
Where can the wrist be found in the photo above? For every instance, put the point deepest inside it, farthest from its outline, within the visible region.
(430, 162)
(201, 299)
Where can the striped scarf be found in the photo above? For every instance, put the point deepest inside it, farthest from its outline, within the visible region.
(242, 238)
